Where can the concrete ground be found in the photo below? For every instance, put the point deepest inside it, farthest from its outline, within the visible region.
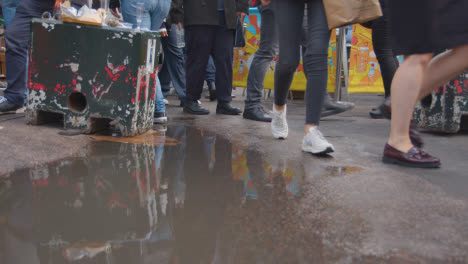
(392, 213)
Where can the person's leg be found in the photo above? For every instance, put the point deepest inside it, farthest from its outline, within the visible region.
(9, 10)
(406, 87)
(266, 52)
(210, 75)
(17, 45)
(289, 18)
(316, 61)
(316, 70)
(159, 106)
(222, 56)
(174, 62)
(159, 9)
(382, 41)
(443, 68)
(163, 74)
(198, 41)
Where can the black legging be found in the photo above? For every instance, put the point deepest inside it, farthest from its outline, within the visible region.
(290, 16)
(382, 40)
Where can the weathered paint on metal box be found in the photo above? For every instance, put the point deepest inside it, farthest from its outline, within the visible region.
(443, 110)
(89, 74)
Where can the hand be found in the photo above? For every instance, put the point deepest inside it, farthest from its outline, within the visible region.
(116, 12)
(179, 25)
(163, 33)
(265, 2)
(241, 15)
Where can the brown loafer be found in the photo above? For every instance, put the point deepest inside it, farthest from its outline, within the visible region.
(415, 158)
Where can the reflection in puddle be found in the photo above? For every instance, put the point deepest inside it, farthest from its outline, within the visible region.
(150, 138)
(198, 199)
(341, 171)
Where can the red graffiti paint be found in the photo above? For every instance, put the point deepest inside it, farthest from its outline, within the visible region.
(459, 88)
(60, 88)
(37, 87)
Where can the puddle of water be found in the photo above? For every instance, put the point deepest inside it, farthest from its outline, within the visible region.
(186, 197)
(342, 170)
(150, 138)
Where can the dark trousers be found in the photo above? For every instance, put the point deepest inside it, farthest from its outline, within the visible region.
(382, 41)
(17, 45)
(201, 42)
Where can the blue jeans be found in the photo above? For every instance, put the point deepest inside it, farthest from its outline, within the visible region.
(159, 106)
(210, 75)
(155, 11)
(267, 51)
(173, 69)
(9, 10)
(17, 45)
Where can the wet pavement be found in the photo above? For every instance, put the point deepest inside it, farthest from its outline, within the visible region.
(220, 190)
(192, 196)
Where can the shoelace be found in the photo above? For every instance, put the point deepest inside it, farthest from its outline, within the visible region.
(2, 99)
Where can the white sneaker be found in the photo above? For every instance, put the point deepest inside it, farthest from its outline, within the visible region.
(279, 124)
(315, 143)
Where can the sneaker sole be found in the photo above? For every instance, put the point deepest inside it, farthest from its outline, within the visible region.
(387, 160)
(334, 112)
(160, 120)
(319, 153)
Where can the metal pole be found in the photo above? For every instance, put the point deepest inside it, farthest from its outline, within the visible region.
(339, 62)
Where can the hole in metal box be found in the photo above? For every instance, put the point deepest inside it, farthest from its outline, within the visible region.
(77, 102)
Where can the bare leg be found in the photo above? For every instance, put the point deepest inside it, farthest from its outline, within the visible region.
(443, 68)
(406, 87)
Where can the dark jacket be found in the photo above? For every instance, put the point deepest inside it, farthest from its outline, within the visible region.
(205, 12)
(176, 13)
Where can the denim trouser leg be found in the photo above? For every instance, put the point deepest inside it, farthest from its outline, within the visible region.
(155, 11)
(210, 75)
(266, 52)
(165, 79)
(289, 15)
(17, 45)
(159, 106)
(174, 60)
(9, 10)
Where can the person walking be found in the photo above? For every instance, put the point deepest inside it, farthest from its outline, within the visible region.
(154, 14)
(290, 16)
(173, 68)
(209, 30)
(439, 25)
(17, 44)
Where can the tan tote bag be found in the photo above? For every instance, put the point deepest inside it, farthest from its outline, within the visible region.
(345, 12)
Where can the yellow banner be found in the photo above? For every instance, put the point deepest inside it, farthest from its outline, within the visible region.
(364, 70)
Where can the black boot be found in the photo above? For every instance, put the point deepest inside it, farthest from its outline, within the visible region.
(194, 108)
(211, 91)
(331, 107)
(225, 108)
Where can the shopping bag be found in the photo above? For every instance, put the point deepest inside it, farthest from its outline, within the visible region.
(239, 37)
(345, 12)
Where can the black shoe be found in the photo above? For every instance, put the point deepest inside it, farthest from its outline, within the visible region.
(331, 107)
(211, 91)
(225, 108)
(194, 108)
(6, 107)
(256, 114)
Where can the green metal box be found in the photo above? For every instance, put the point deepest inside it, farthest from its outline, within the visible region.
(92, 76)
